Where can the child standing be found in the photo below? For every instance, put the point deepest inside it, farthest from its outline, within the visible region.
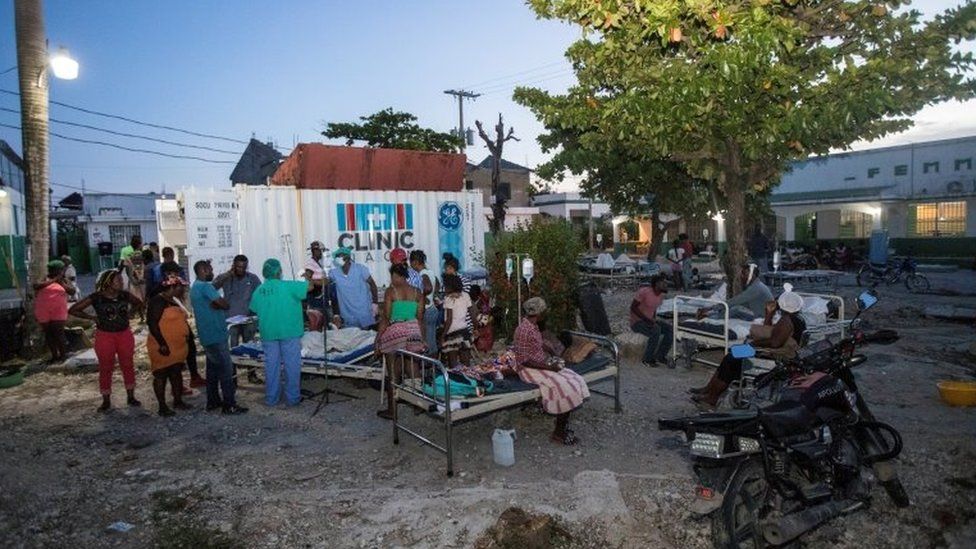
(456, 337)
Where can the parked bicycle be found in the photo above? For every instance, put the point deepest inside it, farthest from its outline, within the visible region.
(894, 271)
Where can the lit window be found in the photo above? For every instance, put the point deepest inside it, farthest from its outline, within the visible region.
(901, 169)
(873, 172)
(930, 167)
(961, 162)
(940, 219)
(854, 224)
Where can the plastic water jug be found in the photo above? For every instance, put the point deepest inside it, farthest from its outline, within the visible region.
(503, 447)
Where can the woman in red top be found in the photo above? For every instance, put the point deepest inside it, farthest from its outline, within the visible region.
(51, 308)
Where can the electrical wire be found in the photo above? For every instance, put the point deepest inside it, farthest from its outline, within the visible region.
(77, 188)
(130, 149)
(135, 136)
(528, 83)
(134, 121)
(510, 76)
(519, 81)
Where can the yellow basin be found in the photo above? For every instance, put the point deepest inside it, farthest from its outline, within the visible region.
(958, 393)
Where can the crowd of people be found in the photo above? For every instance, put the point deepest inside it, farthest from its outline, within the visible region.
(149, 286)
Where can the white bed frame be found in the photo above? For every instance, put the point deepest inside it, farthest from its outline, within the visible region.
(410, 391)
(713, 341)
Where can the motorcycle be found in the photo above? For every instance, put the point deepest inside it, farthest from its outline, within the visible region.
(771, 473)
(892, 272)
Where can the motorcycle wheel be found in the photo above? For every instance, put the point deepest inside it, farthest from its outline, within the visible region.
(917, 283)
(746, 501)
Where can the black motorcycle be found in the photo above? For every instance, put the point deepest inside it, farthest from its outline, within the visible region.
(769, 474)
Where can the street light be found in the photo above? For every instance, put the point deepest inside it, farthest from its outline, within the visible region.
(63, 65)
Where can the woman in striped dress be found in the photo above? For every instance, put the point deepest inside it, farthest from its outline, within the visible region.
(563, 390)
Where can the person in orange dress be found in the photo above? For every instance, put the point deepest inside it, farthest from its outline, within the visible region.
(51, 308)
(169, 331)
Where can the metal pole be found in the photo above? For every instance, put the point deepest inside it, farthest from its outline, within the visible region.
(591, 224)
(461, 96)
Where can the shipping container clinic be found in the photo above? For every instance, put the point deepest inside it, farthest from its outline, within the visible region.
(319, 166)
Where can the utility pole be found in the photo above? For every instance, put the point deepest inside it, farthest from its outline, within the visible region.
(32, 73)
(461, 96)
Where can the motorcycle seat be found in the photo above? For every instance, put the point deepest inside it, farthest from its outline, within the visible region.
(786, 418)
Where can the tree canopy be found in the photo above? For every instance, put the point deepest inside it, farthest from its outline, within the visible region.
(393, 130)
(731, 92)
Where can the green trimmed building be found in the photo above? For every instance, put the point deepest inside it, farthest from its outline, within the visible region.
(923, 194)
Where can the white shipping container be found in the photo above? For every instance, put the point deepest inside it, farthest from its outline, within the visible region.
(282, 222)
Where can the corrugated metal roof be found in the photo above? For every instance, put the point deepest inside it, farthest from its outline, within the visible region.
(319, 166)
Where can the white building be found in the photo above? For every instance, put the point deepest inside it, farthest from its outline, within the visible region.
(13, 217)
(917, 191)
(115, 218)
(569, 205)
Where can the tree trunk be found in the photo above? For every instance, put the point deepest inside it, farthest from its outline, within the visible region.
(32, 70)
(735, 232)
(498, 205)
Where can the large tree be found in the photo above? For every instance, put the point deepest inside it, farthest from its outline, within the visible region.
(630, 184)
(391, 129)
(733, 91)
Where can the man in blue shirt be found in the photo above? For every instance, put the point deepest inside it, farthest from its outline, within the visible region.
(208, 308)
(356, 290)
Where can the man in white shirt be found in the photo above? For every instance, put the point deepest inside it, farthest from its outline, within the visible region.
(318, 294)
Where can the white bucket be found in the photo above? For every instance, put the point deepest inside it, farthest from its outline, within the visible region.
(503, 447)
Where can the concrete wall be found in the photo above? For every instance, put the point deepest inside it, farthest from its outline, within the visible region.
(568, 205)
(13, 218)
(480, 179)
(877, 167)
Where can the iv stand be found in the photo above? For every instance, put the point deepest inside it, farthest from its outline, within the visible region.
(518, 258)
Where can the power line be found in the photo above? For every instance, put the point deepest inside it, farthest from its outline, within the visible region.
(76, 188)
(123, 134)
(134, 121)
(130, 149)
(523, 82)
(528, 83)
(509, 76)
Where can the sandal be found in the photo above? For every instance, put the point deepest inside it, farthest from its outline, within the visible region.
(568, 439)
(384, 414)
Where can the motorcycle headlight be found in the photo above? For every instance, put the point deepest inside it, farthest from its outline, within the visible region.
(707, 445)
(748, 444)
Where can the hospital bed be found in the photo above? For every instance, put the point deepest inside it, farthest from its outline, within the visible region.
(450, 410)
(718, 334)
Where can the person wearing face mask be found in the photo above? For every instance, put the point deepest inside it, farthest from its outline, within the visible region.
(209, 308)
(355, 289)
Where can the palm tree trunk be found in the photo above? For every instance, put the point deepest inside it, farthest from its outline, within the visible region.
(32, 70)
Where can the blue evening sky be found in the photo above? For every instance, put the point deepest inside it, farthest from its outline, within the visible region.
(278, 70)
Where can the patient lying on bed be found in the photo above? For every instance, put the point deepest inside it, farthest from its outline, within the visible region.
(751, 301)
(563, 390)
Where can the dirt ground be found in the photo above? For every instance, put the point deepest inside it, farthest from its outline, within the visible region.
(281, 478)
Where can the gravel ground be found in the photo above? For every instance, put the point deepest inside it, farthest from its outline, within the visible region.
(281, 478)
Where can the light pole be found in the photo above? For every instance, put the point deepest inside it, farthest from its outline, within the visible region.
(32, 63)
